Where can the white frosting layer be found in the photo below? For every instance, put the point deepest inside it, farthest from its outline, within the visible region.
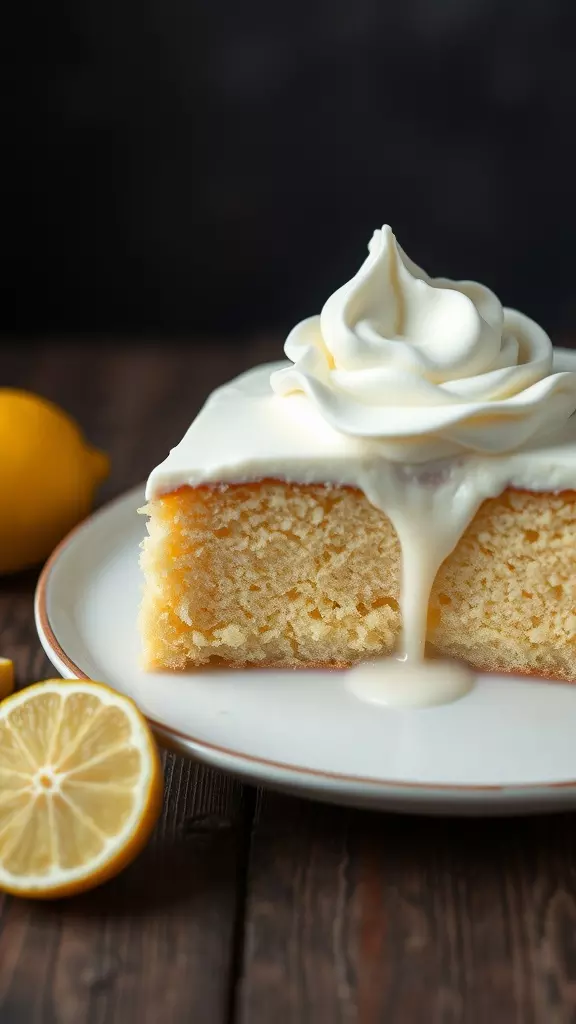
(244, 432)
(427, 366)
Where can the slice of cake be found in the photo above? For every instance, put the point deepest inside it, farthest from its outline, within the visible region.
(412, 465)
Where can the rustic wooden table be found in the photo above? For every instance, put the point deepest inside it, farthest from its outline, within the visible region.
(259, 908)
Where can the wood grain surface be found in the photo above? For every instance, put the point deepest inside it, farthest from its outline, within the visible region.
(357, 917)
(266, 909)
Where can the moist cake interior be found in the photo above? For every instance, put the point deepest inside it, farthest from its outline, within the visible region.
(290, 575)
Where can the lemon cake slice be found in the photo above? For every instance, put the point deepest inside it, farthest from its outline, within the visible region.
(412, 464)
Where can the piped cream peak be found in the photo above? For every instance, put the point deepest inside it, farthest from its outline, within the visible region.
(427, 367)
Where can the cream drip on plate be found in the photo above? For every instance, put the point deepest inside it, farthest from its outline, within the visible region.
(425, 394)
(399, 684)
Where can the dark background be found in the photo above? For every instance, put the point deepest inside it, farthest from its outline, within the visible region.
(183, 166)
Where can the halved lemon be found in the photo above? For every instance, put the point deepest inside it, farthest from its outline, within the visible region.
(6, 677)
(80, 787)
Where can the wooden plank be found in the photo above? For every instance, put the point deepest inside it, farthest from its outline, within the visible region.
(364, 918)
(157, 943)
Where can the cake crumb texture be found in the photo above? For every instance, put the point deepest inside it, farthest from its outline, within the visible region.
(288, 575)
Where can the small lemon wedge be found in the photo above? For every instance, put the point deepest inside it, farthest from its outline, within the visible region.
(6, 677)
(80, 787)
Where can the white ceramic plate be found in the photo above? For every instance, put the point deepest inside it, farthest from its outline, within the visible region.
(507, 747)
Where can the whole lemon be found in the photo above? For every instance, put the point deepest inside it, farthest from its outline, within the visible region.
(48, 476)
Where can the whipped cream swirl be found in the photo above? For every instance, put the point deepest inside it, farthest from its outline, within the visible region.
(425, 366)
